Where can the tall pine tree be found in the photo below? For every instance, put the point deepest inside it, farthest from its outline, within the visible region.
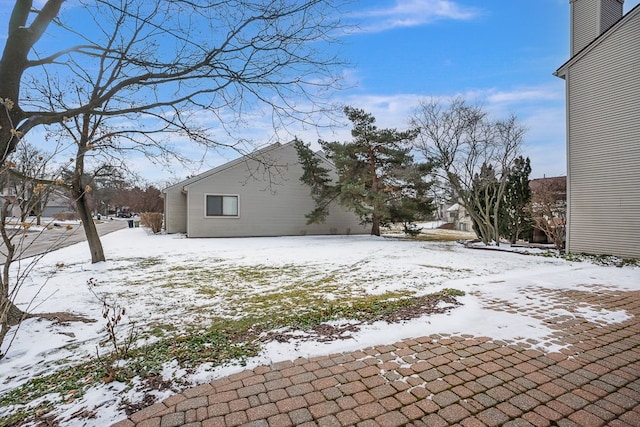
(316, 176)
(377, 177)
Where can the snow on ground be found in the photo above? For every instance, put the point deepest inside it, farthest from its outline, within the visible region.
(168, 280)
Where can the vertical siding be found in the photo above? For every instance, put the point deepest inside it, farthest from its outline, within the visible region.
(175, 210)
(272, 203)
(604, 145)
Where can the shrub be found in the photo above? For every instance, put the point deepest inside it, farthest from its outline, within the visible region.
(412, 229)
(153, 220)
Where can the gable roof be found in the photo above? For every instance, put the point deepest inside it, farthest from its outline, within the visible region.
(257, 154)
(225, 166)
(562, 71)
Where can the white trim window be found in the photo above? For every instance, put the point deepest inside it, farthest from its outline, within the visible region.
(217, 205)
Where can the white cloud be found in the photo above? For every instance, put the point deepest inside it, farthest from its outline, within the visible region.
(539, 108)
(411, 13)
(524, 95)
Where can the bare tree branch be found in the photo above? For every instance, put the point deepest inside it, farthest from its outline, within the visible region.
(148, 58)
(474, 154)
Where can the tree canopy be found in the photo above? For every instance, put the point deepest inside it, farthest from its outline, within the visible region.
(152, 68)
(376, 176)
(475, 156)
(113, 77)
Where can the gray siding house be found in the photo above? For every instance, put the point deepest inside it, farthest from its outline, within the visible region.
(58, 203)
(259, 194)
(603, 129)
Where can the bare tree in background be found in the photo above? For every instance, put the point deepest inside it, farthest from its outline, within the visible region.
(474, 156)
(28, 174)
(143, 199)
(548, 207)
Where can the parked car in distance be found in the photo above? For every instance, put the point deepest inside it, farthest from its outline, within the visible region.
(124, 214)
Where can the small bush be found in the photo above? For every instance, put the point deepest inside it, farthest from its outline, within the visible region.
(412, 229)
(153, 220)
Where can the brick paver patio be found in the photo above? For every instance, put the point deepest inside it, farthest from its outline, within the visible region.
(437, 380)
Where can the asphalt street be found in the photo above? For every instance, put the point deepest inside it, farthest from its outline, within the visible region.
(57, 235)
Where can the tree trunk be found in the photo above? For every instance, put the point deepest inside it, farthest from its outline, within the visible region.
(375, 225)
(13, 63)
(10, 315)
(375, 216)
(15, 315)
(93, 238)
(79, 191)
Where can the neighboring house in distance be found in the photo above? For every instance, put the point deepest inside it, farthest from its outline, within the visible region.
(259, 194)
(13, 208)
(58, 202)
(458, 216)
(603, 129)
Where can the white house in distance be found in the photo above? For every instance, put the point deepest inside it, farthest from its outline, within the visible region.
(459, 217)
(603, 129)
(259, 194)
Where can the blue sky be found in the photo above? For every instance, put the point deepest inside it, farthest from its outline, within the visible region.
(498, 53)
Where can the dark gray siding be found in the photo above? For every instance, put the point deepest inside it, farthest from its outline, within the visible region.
(611, 13)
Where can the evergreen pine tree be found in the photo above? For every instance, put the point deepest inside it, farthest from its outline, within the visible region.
(317, 177)
(515, 218)
(377, 177)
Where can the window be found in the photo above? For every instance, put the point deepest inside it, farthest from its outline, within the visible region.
(221, 205)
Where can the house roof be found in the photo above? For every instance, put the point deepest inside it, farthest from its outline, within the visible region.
(562, 71)
(225, 166)
(556, 184)
(60, 197)
(250, 156)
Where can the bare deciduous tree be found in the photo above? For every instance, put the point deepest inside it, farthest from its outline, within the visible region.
(169, 62)
(143, 199)
(135, 72)
(16, 243)
(27, 174)
(474, 156)
(548, 208)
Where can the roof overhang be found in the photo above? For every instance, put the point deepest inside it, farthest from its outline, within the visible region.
(564, 68)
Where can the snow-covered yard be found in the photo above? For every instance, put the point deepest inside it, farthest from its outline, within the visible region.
(171, 285)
